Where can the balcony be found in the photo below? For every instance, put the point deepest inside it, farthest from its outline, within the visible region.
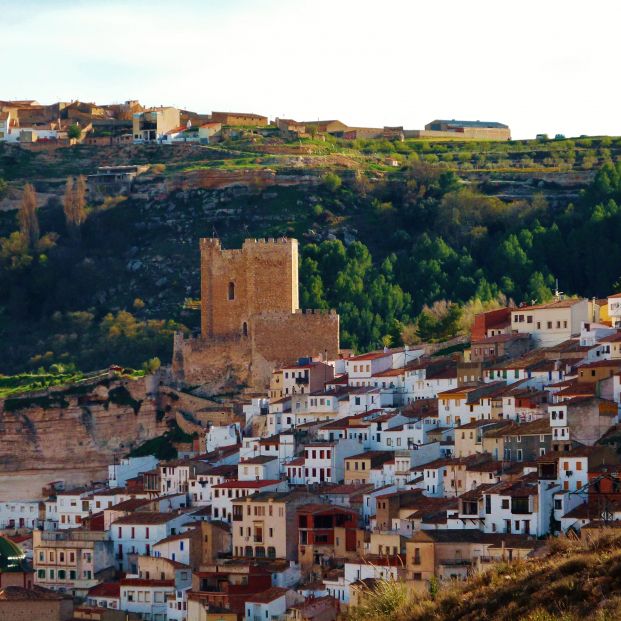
(455, 562)
(301, 380)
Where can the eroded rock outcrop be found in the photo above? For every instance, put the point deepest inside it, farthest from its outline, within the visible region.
(84, 426)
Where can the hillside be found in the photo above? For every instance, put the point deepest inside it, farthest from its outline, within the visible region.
(573, 581)
(387, 230)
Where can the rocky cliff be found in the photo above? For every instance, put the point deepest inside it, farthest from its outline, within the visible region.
(79, 427)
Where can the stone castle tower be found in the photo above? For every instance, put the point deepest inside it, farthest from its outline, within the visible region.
(237, 285)
(250, 317)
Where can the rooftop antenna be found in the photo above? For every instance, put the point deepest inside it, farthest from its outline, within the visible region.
(558, 295)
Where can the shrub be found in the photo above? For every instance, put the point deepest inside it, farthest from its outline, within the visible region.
(332, 182)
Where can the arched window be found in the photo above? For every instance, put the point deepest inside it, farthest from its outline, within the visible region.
(271, 552)
(245, 329)
(248, 550)
(260, 552)
(231, 291)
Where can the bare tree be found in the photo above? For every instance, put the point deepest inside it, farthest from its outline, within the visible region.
(27, 215)
(74, 203)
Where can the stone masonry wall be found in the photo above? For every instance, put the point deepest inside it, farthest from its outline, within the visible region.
(260, 277)
(275, 339)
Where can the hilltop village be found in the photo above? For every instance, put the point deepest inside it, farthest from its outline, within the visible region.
(419, 464)
(30, 123)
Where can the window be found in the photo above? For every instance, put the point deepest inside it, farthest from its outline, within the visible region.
(231, 291)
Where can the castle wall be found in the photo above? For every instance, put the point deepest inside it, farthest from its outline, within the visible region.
(275, 339)
(219, 365)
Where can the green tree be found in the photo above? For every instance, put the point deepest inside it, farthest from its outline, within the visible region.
(74, 131)
(151, 366)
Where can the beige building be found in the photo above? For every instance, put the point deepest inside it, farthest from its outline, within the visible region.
(265, 524)
(199, 609)
(71, 561)
(36, 604)
(153, 125)
(457, 553)
(239, 119)
(553, 323)
(277, 385)
(358, 467)
(469, 438)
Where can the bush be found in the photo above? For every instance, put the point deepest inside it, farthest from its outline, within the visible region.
(74, 131)
(332, 182)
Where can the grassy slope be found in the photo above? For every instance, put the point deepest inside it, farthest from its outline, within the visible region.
(576, 581)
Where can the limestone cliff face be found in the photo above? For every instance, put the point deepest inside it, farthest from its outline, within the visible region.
(85, 427)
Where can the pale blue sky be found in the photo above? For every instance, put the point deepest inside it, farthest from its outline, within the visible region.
(540, 66)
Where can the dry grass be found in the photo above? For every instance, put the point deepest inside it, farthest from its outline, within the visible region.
(579, 580)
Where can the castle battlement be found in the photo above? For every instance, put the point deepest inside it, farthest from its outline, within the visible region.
(315, 311)
(268, 240)
(210, 242)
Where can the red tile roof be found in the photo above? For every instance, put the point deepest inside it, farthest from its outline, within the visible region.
(146, 583)
(267, 596)
(247, 484)
(105, 589)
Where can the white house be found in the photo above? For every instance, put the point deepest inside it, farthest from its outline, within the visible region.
(323, 461)
(219, 436)
(147, 598)
(519, 507)
(268, 605)
(128, 468)
(20, 514)
(552, 323)
(137, 533)
(259, 468)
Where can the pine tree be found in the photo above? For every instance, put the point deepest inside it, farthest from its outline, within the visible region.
(27, 215)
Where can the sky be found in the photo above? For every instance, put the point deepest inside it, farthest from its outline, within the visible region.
(541, 66)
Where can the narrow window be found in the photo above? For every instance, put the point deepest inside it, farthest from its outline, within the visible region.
(231, 291)
(244, 326)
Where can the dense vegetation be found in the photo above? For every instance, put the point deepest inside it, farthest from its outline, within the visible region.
(435, 240)
(573, 581)
(406, 255)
